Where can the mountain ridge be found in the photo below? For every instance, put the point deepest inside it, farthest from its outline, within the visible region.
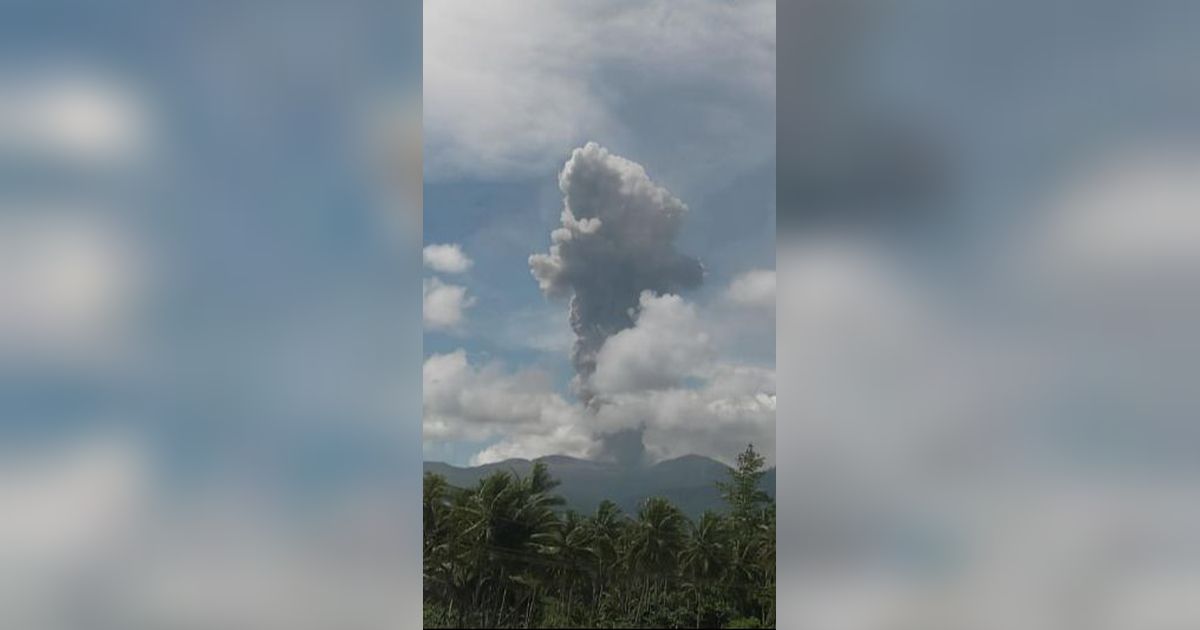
(689, 481)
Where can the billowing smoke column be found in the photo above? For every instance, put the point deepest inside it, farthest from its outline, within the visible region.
(617, 239)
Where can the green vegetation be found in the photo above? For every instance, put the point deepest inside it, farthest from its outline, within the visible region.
(505, 554)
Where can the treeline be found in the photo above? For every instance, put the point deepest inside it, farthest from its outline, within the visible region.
(504, 554)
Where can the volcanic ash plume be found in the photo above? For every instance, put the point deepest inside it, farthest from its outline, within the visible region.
(616, 241)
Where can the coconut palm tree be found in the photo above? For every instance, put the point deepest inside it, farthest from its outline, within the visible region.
(654, 543)
(505, 553)
(703, 557)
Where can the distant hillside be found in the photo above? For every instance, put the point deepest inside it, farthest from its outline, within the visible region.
(688, 481)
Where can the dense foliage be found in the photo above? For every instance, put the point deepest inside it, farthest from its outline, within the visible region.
(506, 554)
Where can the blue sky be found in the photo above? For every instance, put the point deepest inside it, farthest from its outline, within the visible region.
(687, 92)
(260, 229)
(210, 265)
(988, 259)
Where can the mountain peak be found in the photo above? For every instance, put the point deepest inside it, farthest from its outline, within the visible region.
(562, 459)
(688, 481)
(689, 459)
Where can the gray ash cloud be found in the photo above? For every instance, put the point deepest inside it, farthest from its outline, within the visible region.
(617, 239)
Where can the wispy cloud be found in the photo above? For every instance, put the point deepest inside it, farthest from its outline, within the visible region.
(574, 71)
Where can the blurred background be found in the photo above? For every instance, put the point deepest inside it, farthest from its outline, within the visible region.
(989, 256)
(209, 315)
(989, 248)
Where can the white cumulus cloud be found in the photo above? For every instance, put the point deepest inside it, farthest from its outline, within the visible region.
(447, 258)
(667, 344)
(445, 305)
(734, 405)
(665, 377)
(462, 401)
(670, 377)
